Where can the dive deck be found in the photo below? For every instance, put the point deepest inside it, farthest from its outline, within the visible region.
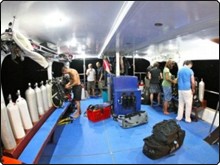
(86, 142)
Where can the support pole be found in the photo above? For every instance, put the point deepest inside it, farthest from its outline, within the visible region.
(133, 65)
(117, 55)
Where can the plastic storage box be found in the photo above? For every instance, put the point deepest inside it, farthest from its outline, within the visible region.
(98, 112)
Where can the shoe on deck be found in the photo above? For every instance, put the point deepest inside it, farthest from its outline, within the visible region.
(166, 113)
(76, 115)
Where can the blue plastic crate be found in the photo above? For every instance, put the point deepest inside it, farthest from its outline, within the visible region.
(126, 106)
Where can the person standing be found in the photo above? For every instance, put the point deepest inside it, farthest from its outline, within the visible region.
(186, 89)
(100, 77)
(167, 85)
(91, 78)
(107, 67)
(147, 86)
(155, 75)
(75, 85)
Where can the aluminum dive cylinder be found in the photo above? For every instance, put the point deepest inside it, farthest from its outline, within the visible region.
(7, 135)
(49, 93)
(24, 112)
(32, 103)
(141, 86)
(44, 96)
(201, 90)
(15, 119)
(83, 93)
(39, 99)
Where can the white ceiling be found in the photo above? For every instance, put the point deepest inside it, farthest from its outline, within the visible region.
(92, 23)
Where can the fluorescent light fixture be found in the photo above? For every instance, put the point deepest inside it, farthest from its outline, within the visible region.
(122, 13)
(73, 42)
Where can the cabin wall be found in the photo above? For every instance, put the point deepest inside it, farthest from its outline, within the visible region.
(198, 50)
(195, 49)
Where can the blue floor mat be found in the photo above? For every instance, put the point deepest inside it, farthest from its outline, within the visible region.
(105, 142)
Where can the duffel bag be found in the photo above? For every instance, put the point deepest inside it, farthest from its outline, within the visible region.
(155, 149)
(132, 119)
(166, 131)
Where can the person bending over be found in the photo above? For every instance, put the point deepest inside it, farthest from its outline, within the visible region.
(75, 85)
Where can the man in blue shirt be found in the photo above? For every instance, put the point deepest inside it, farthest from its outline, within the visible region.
(186, 89)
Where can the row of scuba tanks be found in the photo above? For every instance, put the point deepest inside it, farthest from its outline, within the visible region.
(20, 116)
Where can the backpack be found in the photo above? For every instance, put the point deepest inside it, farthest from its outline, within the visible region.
(166, 131)
(167, 137)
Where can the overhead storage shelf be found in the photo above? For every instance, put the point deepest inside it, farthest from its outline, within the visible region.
(44, 51)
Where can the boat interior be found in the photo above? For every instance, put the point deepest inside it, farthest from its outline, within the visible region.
(53, 34)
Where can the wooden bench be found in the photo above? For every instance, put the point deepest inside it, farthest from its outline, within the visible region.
(32, 152)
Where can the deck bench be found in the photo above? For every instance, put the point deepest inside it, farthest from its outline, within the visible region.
(32, 152)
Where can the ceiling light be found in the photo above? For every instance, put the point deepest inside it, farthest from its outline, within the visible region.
(158, 24)
(56, 19)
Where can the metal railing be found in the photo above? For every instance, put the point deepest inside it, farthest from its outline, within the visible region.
(140, 74)
(213, 92)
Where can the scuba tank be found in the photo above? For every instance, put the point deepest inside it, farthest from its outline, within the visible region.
(83, 94)
(141, 86)
(7, 136)
(201, 90)
(32, 103)
(49, 93)
(44, 96)
(124, 100)
(39, 100)
(133, 100)
(24, 112)
(15, 119)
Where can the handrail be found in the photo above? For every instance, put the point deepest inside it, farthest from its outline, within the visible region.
(140, 73)
(209, 91)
